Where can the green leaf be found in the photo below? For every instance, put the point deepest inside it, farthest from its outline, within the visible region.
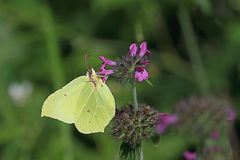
(156, 139)
(150, 83)
(205, 5)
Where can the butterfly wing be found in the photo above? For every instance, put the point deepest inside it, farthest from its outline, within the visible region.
(62, 103)
(95, 108)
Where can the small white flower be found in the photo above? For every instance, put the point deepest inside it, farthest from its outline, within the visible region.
(20, 91)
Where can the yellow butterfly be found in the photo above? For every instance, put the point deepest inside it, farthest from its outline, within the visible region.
(86, 101)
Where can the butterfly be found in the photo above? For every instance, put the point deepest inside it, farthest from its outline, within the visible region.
(86, 101)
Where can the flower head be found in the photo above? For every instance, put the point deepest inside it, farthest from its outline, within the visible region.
(130, 67)
(211, 114)
(164, 121)
(216, 152)
(188, 155)
(133, 126)
(135, 62)
(139, 59)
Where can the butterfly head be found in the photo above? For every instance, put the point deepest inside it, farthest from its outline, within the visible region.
(93, 77)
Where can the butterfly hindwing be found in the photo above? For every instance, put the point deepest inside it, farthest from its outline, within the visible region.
(96, 111)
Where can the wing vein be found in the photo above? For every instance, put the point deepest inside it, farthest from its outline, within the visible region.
(80, 112)
(107, 115)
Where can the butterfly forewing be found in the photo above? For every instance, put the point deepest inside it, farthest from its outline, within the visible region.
(62, 103)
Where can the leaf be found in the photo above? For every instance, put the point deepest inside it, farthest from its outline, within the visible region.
(156, 139)
(150, 83)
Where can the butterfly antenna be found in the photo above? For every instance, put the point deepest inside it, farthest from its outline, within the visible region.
(86, 56)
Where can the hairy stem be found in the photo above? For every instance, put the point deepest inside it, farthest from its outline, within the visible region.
(134, 91)
(135, 104)
(141, 153)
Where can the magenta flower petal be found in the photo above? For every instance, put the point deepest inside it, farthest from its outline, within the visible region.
(215, 135)
(141, 74)
(231, 114)
(133, 50)
(164, 121)
(106, 72)
(143, 49)
(170, 119)
(161, 128)
(104, 78)
(190, 155)
(144, 62)
(107, 61)
(103, 66)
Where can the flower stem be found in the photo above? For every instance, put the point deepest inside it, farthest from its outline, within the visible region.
(134, 91)
(135, 104)
(141, 153)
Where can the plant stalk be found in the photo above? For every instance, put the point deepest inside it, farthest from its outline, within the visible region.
(141, 153)
(134, 91)
(135, 104)
(193, 49)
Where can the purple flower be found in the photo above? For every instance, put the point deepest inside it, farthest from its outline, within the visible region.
(133, 50)
(231, 114)
(141, 74)
(164, 121)
(104, 73)
(215, 135)
(130, 67)
(107, 61)
(143, 49)
(188, 155)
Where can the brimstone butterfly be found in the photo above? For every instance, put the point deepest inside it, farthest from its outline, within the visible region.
(86, 101)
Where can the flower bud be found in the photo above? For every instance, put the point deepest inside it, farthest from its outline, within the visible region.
(132, 127)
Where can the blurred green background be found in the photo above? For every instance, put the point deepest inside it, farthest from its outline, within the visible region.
(195, 47)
